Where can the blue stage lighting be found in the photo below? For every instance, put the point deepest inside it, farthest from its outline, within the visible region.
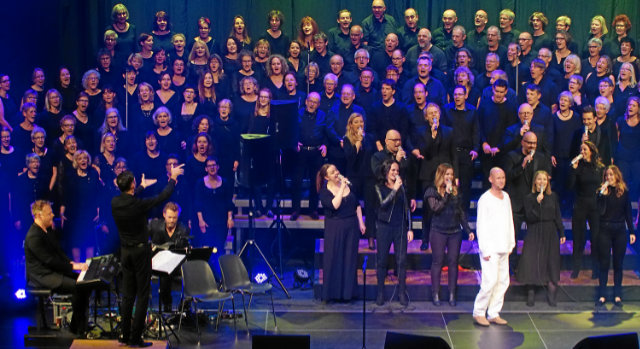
(260, 278)
(21, 294)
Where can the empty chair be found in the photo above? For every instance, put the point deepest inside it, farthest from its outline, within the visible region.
(199, 286)
(235, 279)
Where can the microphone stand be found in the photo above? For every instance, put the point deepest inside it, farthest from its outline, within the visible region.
(364, 301)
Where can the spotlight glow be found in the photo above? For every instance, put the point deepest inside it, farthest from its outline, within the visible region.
(20, 294)
(260, 278)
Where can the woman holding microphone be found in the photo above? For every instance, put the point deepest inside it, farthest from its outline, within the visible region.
(393, 222)
(343, 221)
(615, 210)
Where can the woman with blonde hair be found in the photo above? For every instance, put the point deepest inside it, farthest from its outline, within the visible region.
(539, 264)
(447, 222)
(615, 210)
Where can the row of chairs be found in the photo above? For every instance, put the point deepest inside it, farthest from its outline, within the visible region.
(200, 286)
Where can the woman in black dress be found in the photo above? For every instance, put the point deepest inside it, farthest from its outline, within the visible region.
(127, 35)
(169, 140)
(446, 220)
(140, 119)
(189, 109)
(166, 96)
(50, 117)
(213, 207)
(91, 83)
(207, 94)
(240, 33)
(221, 80)
(278, 40)
(343, 221)
(539, 263)
(277, 68)
(584, 179)
(393, 220)
(179, 74)
(113, 124)
(105, 161)
(615, 210)
(245, 105)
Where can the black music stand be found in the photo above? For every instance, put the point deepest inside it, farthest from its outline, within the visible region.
(285, 113)
(176, 261)
(106, 274)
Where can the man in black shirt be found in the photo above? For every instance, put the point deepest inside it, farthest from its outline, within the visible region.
(48, 266)
(409, 31)
(168, 230)
(312, 139)
(388, 114)
(463, 118)
(339, 40)
(130, 214)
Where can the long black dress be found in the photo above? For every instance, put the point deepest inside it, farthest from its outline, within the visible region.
(540, 260)
(341, 236)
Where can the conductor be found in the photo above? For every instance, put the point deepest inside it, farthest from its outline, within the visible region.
(130, 215)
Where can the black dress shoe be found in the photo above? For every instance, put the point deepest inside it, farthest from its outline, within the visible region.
(600, 302)
(452, 300)
(139, 344)
(436, 300)
(531, 297)
(595, 274)
(424, 246)
(314, 215)
(618, 303)
(294, 216)
(372, 245)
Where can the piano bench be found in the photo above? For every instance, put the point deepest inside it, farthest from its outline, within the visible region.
(42, 294)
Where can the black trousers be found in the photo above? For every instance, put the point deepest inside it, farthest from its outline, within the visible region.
(440, 242)
(585, 210)
(136, 288)
(309, 162)
(611, 238)
(79, 303)
(387, 234)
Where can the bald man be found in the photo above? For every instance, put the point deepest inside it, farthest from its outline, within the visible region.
(494, 228)
(442, 35)
(408, 33)
(378, 25)
(477, 37)
(514, 133)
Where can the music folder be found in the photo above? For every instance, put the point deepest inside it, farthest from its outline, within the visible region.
(166, 261)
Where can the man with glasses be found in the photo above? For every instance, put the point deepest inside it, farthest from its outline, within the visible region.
(355, 37)
(527, 54)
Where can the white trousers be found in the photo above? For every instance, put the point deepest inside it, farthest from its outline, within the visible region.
(495, 281)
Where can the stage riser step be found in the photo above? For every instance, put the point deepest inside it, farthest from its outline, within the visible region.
(423, 261)
(515, 293)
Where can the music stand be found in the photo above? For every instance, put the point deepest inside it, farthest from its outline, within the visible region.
(285, 113)
(164, 263)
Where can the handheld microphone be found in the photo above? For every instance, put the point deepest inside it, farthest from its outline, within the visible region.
(344, 179)
(576, 159)
(526, 122)
(360, 131)
(531, 153)
(449, 187)
(405, 154)
(435, 124)
(541, 189)
(606, 184)
(586, 130)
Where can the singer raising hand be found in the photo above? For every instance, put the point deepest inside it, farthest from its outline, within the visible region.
(343, 226)
(539, 264)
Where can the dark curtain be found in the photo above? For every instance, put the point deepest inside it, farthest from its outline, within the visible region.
(49, 33)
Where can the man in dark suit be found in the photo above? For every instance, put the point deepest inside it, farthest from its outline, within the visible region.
(130, 214)
(48, 266)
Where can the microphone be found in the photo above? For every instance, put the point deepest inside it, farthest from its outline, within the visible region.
(531, 153)
(435, 124)
(586, 130)
(541, 189)
(449, 187)
(360, 131)
(576, 159)
(405, 154)
(343, 178)
(526, 122)
(606, 184)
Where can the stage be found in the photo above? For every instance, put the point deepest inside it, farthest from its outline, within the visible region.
(340, 325)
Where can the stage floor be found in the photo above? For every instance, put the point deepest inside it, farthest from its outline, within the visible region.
(340, 325)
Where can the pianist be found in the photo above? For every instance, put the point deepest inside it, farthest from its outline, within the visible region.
(168, 233)
(48, 267)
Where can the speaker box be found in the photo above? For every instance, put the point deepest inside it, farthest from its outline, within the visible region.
(617, 341)
(281, 341)
(396, 340)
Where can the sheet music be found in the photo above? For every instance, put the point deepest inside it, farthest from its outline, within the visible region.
(166, 261)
